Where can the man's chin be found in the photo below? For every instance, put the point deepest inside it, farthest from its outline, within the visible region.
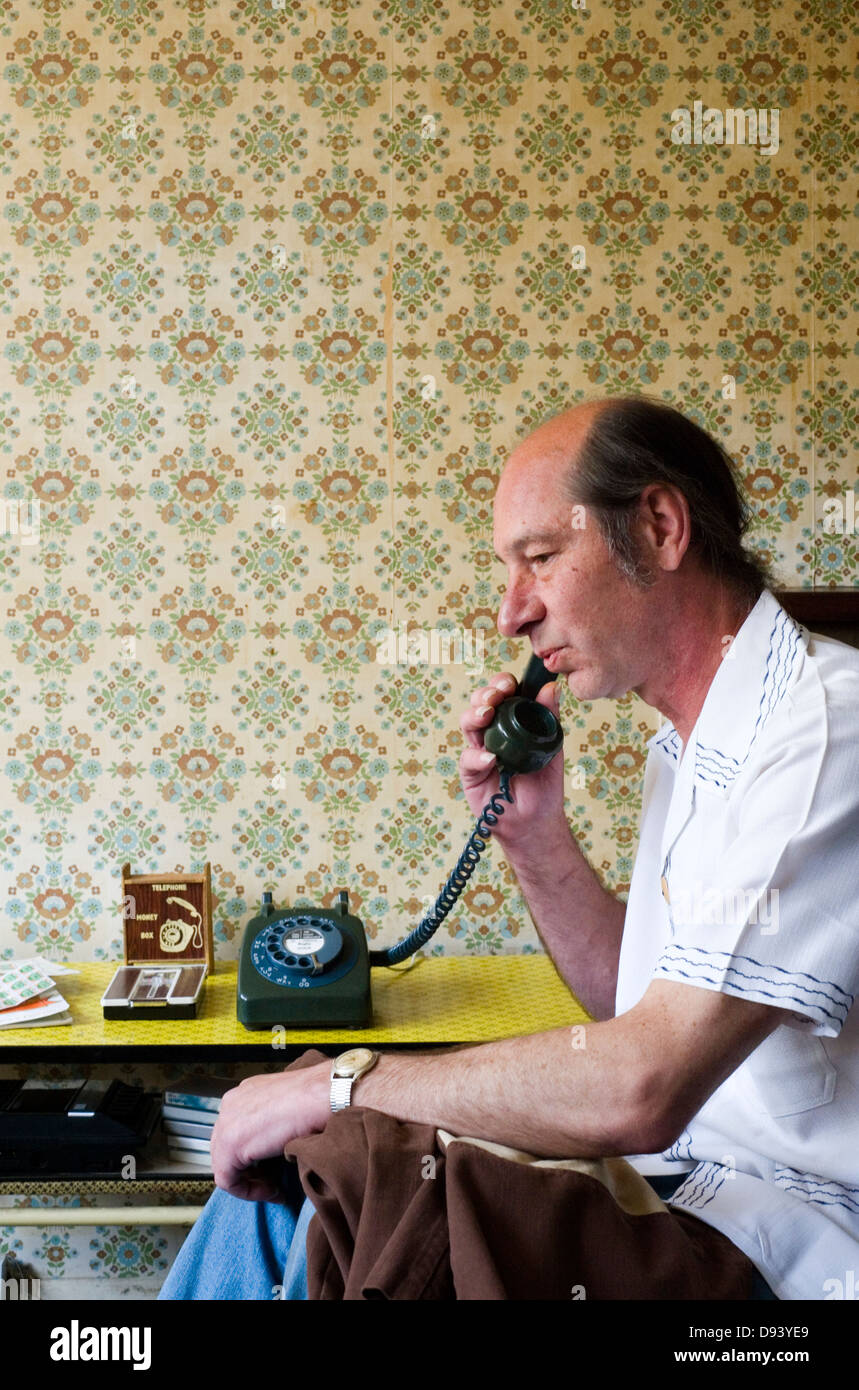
(581, 687)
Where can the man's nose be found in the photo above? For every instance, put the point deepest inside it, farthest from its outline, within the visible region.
(520, 608)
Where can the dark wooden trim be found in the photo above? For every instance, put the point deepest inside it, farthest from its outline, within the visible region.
(830, 606)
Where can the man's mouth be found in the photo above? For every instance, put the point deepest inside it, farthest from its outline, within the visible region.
(550, 657)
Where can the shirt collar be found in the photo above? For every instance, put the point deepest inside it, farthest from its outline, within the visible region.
(753, 678)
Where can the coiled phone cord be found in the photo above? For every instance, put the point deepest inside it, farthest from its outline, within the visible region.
(465, 865)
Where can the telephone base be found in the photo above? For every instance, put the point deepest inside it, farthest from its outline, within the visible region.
(304, 968)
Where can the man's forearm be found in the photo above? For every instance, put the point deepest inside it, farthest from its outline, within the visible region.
(562, 1093)
(579, 923)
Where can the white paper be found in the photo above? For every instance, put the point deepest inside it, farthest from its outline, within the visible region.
(50, 967)
(34, 1012)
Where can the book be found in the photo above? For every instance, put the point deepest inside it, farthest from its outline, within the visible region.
(36, 1013)
(184, 1156)
(55, 1021)
(203, 1093)
(181, 1112)
(28, 996)
(189, 1129)
(181, 1141)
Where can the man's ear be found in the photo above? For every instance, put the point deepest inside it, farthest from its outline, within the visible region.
(665, 526)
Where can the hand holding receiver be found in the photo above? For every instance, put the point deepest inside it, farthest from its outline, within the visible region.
(525, 735)
(539, 799)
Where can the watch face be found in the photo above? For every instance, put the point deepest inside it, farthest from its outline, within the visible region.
(350, 1062)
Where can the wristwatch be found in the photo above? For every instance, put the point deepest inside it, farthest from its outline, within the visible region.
(345, 1071)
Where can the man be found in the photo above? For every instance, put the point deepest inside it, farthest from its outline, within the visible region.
(723, 1038)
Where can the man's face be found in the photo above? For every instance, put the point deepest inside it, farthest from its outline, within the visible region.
(564, 592)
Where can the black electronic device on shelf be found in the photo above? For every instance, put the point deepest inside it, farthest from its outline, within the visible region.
(84, 1127)
(310, 967)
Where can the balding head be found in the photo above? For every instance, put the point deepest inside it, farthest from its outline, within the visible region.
(556, 441)
(540, 467)
(603, 455)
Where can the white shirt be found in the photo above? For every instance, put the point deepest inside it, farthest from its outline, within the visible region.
(754, 828)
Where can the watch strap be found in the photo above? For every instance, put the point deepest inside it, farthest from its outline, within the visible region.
(341, 1092)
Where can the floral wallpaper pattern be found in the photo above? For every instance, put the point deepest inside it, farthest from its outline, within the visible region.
(281, 285)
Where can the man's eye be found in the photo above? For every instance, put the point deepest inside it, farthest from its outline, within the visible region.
(538, 559)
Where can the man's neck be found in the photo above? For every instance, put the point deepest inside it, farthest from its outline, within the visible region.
(696, 638)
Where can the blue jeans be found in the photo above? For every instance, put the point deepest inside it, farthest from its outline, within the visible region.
(256, 1250)
(245, 1250)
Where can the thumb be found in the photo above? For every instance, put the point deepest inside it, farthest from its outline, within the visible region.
(550, 695)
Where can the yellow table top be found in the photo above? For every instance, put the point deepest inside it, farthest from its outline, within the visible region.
(442, 999)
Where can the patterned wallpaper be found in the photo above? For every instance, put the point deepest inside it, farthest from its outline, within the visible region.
(282, 284)
(281, 287)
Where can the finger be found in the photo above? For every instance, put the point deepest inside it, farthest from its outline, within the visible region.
(481, 710)
(252, 1191)
(550, 695)
(498, 688)
(472, 722)
(476, 765)
(484, 695)
(249, 1185)
(261, 1191)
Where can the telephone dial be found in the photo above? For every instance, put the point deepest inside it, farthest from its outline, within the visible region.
(309, 967)
(175, 934)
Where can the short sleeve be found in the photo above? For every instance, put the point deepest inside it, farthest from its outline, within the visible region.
(765, 906)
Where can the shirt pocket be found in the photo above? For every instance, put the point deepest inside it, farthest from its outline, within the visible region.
(791, 1073)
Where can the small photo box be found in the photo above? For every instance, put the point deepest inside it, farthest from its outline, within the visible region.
(167, 944)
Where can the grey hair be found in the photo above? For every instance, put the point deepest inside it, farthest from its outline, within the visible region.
(634, 441)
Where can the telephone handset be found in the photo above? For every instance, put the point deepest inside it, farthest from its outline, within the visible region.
(321, 956)
(524, 735)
